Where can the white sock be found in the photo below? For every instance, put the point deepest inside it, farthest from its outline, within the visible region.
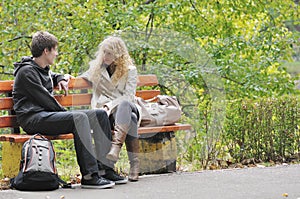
(101, 172)
(88, 177)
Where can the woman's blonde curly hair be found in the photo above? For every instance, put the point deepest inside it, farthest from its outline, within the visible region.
(122, 59)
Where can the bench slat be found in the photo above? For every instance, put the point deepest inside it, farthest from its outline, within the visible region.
(8, 121)
(80, 83)
(147, 94)
(6, 103)
(6, 86)
(143, 80)
(16, 138)
(147, 80)
(11, 121)
(160, 129)
(74, 99)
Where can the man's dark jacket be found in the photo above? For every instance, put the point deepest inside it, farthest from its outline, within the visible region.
(33, 89)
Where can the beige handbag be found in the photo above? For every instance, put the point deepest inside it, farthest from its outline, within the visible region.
(165, 111)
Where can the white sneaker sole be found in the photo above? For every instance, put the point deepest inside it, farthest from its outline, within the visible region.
(98, 186)
(121, 181)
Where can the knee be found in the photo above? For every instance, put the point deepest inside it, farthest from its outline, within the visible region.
(80, 116)
(101, 113)
(125, 103)
(102, 116)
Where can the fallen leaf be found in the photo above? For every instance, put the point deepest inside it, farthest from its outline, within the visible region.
(260, 166)
(285, 195)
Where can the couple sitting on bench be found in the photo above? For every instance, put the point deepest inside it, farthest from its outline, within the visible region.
(114, 80)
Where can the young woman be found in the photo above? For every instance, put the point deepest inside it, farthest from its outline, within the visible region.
(114, 79)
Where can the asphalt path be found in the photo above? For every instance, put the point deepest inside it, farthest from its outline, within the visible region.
(276, 182)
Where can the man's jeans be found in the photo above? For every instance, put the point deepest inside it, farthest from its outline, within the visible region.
(85, 125)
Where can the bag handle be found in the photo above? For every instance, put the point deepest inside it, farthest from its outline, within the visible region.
(153, 99)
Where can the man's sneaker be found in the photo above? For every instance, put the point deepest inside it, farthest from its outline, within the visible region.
(96, 182)
(110, 174)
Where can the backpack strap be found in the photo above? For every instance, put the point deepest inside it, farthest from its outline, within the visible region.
(39, 136)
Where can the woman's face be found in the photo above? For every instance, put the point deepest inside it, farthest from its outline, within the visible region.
(108, 57)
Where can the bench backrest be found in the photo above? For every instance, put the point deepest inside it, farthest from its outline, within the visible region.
(75, 97)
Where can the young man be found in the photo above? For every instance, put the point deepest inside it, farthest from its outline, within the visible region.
(38, 112)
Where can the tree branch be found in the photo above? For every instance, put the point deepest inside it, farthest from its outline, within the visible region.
(147, 36)
(232, 80)
(17, 38)
(197, 11)
(149, 1)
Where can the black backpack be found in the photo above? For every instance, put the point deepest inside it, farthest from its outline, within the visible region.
(37, 167)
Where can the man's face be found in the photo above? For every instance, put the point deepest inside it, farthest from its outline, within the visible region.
(51, 55)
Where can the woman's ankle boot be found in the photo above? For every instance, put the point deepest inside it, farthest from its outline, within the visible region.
(117, 141)
(132, 146)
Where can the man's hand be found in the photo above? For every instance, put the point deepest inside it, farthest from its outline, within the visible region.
(64, 84)
(106, 109)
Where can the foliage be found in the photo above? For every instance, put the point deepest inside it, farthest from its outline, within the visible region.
(266, 129)
(204, 52)
(246, 39)
(66, 161)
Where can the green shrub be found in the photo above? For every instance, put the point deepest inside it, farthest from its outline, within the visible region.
(266, 129)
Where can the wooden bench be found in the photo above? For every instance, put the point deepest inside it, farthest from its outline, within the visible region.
(79, 95)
